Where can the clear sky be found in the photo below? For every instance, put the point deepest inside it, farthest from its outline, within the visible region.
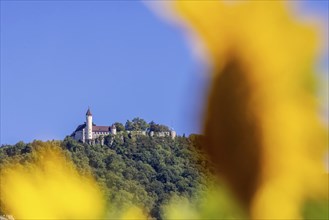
(118, 57)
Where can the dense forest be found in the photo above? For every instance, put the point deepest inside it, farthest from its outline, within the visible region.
(134, 169)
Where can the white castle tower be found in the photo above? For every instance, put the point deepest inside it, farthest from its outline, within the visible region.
(89, 126)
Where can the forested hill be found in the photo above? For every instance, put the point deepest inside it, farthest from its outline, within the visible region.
(141, 170)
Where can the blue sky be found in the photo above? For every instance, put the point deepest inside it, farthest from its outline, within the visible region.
(118, 57)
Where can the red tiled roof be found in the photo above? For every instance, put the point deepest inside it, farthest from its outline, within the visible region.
(101, 128)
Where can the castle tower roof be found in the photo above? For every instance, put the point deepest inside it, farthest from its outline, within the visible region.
(88, 112)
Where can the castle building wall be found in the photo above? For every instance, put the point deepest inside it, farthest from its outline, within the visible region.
(78, 135)
(98, 134)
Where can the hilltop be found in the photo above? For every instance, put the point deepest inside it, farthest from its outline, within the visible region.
(90, 133)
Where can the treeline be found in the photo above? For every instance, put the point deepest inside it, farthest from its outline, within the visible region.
(139, 124)
(135, 170)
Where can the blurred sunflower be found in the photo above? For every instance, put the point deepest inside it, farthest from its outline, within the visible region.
(261, 123)
(49, 187)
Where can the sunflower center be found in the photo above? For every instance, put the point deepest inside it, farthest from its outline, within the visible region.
(233, 135)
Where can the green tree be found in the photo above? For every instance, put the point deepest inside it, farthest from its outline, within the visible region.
(129, 126)
(140, 124)
(158, 127)
(137, 124)
(119, 126)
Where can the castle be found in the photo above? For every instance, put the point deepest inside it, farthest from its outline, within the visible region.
(90, 133)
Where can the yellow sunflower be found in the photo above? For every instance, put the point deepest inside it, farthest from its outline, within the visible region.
(262, 126)
(49, 187)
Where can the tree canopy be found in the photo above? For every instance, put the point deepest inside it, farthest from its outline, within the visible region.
(137, 124)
